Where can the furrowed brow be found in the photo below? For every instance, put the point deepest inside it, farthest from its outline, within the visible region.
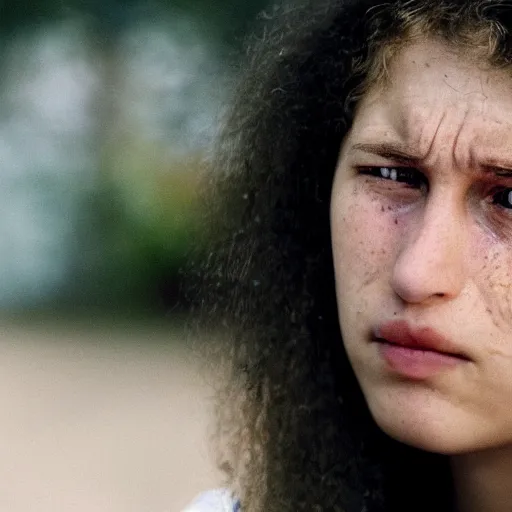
(391, 150)
(405, 155)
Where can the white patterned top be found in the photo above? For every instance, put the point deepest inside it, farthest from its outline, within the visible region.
(218, 500)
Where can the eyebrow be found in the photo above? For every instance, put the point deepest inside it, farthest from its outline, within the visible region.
(405, 155)
(392, 150)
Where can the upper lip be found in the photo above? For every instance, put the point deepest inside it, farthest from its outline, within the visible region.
(399, 332)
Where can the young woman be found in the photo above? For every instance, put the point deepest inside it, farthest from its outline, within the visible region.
(362, 261)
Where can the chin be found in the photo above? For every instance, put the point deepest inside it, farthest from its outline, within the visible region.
(422, 440)
(425, 427)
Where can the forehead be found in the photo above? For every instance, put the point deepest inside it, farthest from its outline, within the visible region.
(432, 85)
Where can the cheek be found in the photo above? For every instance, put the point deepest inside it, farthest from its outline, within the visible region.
(363, 233)
(493, 278)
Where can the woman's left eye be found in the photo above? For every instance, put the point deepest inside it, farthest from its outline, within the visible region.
(503, 198)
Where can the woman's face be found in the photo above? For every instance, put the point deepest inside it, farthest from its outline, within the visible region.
(421, 222)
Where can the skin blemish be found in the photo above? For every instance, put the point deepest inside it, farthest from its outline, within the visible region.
(370, 278)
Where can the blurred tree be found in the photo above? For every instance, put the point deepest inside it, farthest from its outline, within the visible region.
(108, 18)
(17, 15)
(133, 252)
(228, 19)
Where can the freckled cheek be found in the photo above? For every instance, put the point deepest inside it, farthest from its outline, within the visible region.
(365, 235)
(492, 273)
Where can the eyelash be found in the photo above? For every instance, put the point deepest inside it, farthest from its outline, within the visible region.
(415, 179)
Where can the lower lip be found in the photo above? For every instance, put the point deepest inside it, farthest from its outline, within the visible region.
(416, 363)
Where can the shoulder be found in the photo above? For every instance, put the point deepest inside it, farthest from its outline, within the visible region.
(218, 500)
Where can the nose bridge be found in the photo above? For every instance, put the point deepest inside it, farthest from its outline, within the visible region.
(431, 261)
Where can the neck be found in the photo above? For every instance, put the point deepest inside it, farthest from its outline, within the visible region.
(483, 480)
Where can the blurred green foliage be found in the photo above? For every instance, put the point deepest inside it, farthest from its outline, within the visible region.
(151, 217)
(143, 217)
(228, 18)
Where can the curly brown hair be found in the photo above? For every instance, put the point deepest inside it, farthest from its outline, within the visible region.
(294, 431)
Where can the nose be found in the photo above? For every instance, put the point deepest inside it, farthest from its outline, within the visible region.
(430, 263)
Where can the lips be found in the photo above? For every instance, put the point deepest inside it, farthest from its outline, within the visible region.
(419, 338)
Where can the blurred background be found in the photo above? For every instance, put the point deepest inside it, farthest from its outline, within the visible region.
(107, 112)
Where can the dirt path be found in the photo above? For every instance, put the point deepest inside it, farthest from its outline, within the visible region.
(101, 420)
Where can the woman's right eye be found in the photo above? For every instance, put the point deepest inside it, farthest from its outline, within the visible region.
(406, 175)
